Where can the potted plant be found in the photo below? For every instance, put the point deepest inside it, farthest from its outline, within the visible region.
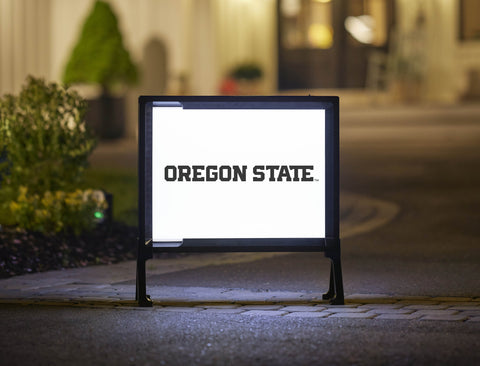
(100, 58)
(243, 79)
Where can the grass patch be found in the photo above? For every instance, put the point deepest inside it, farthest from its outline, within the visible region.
(122, 183)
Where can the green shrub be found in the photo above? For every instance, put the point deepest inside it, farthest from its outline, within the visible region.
(57, 211)
(44, 148)
(99, 56)
(44, 138)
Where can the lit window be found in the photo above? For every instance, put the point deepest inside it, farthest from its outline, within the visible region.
(306, 23)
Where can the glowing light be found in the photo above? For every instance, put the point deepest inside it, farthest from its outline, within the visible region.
(320, 36)
(291, 8)
(361, 28)
(99, 215)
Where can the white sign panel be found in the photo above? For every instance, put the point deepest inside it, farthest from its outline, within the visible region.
(237, 173)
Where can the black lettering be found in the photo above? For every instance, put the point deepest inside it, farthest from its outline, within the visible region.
(225, 173)
(258, 174)
(295, 169)
(212, 174)
(272, 169)
(306, 170)
(284, 173)
(240, 172)
(170, 173)
(197, 173)
(184, 173)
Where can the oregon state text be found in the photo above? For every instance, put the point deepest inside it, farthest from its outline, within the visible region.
(238, 173)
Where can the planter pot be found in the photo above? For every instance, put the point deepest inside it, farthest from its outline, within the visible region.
(106, 116)
(248, 87)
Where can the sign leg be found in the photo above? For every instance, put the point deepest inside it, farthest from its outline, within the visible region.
(335, 290)
(336, 269)
(141, 290)
(331, 288)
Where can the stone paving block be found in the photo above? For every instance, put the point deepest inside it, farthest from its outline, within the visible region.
(470, 313)
(463, 307)
(436, 312)
(461, 303)
(457, 317)
(426, 307)
(261, 307)
(353, 315)
(367, 296)
(398, 316)
(416, 302)
(297, 308)
(377, 301)
(248, 303)
(390, 311)
(380, 306)
(181, 309)
(371, 301)
(474, 319)
(412, 298)
(264, 312)
(224, 311)
(309, 314)
(328, 306)
(218, 306)
(451, 298)
(302, 303)
(345, 310)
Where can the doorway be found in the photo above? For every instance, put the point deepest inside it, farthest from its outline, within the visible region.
(327, 43)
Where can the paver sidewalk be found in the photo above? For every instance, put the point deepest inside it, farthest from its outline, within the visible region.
(103, 286)
(355, 307)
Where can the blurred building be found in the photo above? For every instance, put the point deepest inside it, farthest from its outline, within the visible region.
(426, 50)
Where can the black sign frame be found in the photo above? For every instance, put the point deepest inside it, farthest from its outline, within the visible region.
(330, 245)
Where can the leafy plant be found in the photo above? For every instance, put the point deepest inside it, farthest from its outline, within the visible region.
(100, 57)
(44, 138)
(44, 146)
(57, 211)
(247, 71)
